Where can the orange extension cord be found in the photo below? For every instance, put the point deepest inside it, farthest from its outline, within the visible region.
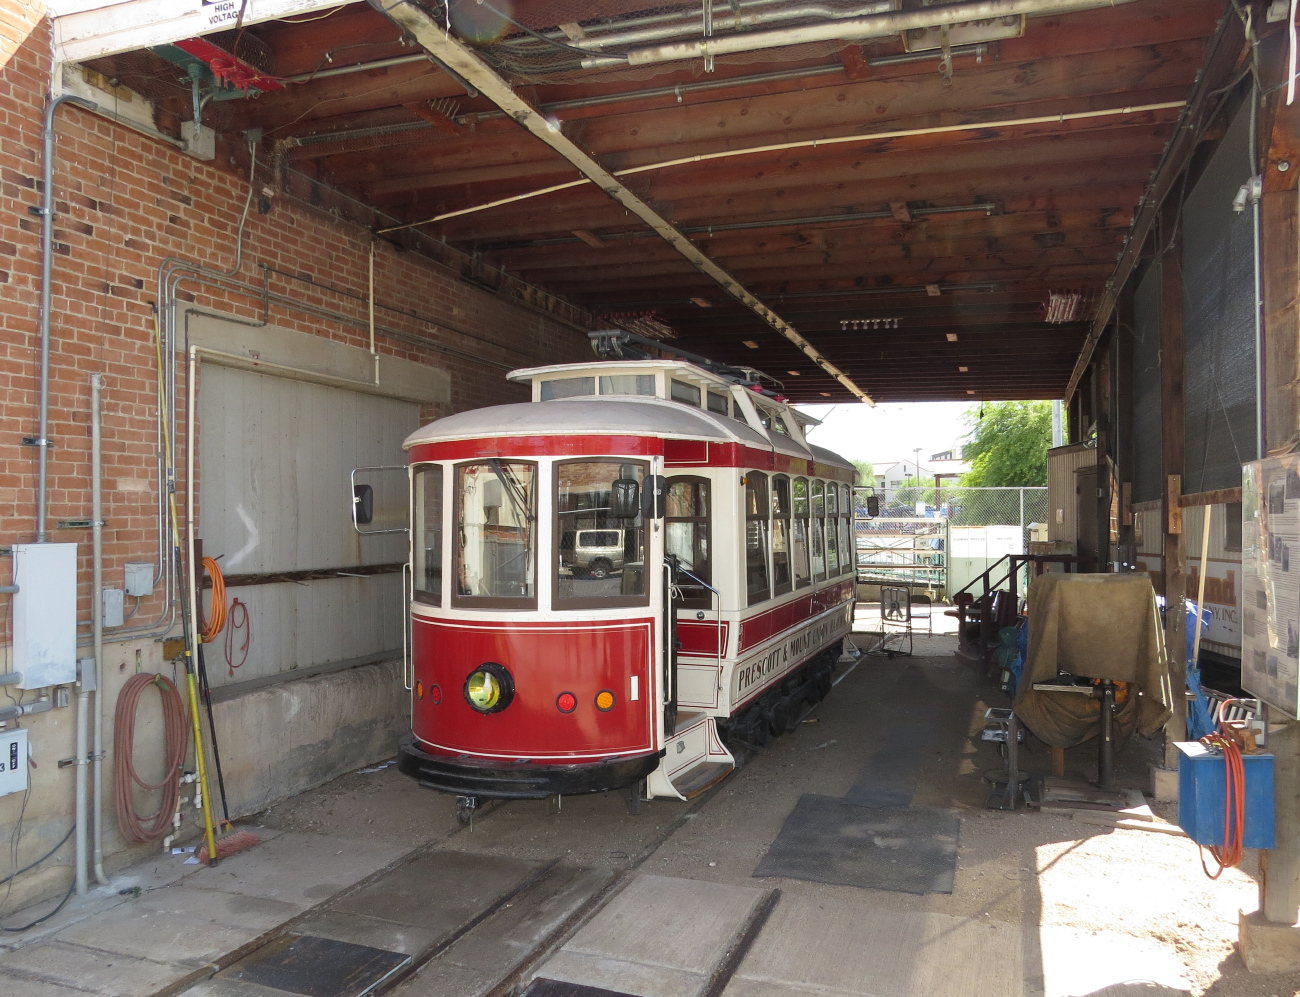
(1234, 808)
(209, 628)
(176, 737)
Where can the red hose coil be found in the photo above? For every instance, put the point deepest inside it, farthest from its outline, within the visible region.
(176, 738)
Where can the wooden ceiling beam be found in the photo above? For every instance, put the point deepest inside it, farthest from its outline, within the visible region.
(583, 208)
(499, 147)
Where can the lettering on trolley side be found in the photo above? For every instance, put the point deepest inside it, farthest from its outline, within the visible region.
(784, 655)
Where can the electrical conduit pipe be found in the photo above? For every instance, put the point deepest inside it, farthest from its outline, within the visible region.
(871, 26)
(97, 615)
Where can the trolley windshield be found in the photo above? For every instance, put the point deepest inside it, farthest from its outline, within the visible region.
(496, 521)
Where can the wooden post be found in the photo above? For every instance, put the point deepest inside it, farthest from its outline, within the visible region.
(1170, 247)
(1279, 232)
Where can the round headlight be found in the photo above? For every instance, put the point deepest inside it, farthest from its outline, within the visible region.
(489, 688)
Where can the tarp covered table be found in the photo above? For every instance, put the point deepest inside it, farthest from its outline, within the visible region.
(1098, 626)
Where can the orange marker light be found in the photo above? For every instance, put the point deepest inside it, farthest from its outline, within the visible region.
(604, 700)
(419, 690)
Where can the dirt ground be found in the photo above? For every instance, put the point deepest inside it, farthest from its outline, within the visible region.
(1075, 891)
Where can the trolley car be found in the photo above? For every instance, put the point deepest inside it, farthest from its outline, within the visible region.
(615, 582)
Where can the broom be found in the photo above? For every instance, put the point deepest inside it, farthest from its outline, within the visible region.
(236, 841)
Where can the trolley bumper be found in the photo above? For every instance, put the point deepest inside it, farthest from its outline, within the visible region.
(490, 779)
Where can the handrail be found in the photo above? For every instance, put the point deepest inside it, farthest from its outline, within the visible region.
(717, 639)
(1012, 568)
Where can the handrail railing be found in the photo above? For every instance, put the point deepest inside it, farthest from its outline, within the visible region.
(717, 640)
(1013, 568)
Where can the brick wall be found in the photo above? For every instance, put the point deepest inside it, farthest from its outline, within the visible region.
(125, 202)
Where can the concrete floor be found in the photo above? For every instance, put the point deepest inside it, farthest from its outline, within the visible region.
(1042, 905)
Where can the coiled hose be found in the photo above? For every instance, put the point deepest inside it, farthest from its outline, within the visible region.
(209, 628)
(176, 740)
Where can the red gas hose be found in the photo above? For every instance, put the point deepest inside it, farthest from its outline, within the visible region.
(176, 741)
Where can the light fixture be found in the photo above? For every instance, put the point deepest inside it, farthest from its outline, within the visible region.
(970, 391)
(566, 702)
(604, 700)
(489, 688)
(951, 336)
(750, 343)
(869, 323)
(932, 290)
(793, 373)
(963, 369)
(702, 302)
(824, 394)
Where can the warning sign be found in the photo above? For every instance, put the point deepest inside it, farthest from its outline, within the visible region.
(223, 13)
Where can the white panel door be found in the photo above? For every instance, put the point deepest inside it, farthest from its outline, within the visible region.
(275, 456)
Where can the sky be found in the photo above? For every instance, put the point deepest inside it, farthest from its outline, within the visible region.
(887, 433)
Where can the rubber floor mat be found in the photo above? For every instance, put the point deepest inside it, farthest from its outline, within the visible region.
(889, 779)
(318, 967)
(557, 988)
(904, 849)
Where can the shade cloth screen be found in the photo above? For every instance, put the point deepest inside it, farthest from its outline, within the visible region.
(1219, 289)
(1146, 387)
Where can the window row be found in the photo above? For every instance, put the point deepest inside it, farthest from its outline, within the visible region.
(799, 533)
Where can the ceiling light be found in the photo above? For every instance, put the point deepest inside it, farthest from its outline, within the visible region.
(932, 290)
(824, 394)
(970, 391)
(793, 373)
(750, 343)
(869, 323)
(702, 302)
(952, 336)
(963, 369)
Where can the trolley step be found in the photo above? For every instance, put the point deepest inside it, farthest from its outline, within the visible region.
(695, 759)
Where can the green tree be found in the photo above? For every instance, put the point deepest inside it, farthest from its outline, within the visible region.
(1008, 446)
(866, 472)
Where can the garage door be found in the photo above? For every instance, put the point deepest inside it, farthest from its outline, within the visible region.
(275, 497)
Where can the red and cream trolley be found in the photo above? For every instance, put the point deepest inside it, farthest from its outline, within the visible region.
(611, 584)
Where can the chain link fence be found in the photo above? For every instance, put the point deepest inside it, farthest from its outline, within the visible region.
(941, 538)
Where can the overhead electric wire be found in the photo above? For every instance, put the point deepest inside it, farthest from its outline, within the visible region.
(553, 42)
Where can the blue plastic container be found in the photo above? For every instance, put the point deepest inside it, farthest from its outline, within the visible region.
(1202, 796)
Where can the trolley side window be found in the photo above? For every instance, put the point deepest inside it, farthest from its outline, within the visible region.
(848, 554)
(686, 534)
(687, 394)
(832, 531)
(817, 531)
(799, 546)
(781, 582)
(496, 535)
(756, 540)
(599, 539)
(426, 539)
(720, 404)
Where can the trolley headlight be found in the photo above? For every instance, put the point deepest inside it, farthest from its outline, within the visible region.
(489, 688)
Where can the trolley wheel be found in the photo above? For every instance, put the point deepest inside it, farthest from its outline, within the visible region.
(600, 568)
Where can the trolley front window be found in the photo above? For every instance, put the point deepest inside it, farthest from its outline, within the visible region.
(686, 534)
(599, 539)
(496, 527)
(426, 540)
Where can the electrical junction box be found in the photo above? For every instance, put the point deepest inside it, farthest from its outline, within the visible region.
(1202, 796)
(13, 761)
(139, 578)
(113, 602)
(45, 614)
